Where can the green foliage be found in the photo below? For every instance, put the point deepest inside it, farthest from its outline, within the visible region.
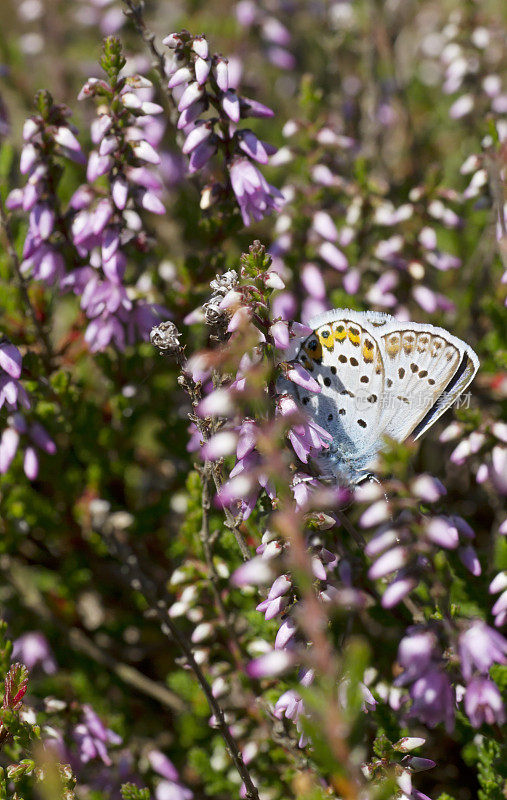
(131, 792)
(112, 60)
(492, 770)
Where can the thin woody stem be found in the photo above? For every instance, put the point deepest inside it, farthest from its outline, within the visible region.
(141, 583)
(135, 13)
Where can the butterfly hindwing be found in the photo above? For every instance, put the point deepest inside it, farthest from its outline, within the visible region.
(426, 370)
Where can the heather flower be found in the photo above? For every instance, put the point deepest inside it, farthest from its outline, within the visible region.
(100, 226)
(291, 706)
(415, 654)
(197, 82)
(33, 649)
(93, 738)
(483, 703)
(255, 196)
(433, 699)
(270, 665)
(479, 647)
(170, 788)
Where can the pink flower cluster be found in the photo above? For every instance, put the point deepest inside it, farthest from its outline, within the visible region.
(21, 431)
(200, 83)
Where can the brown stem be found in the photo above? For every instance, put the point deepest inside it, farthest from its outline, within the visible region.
(141, 583)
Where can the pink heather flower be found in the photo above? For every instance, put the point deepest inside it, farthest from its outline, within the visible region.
(31, 464)
(221, 444)
(230, 104)
(286, 633)
(222, 74)
(171, 790)
(92, 737)
(182, 75)
(270, 665)
(377, 513)
(313, 282)
(479, 647)
(469, 558)
(388, 562)
(31, 649)
(380, 542)
(246, 439)
(324, 226)
(255, 572)
(298, 374)
(10, 359)
(253, 147)
(200, 156)
(256, 197)
(280, 333)
(415, 654)
(483, 703)
(8, 447)
(442, 533)
(428, 488)
(12, 393)
(197, 135)
(397, 590)
(217, 403)
(498, 468)
(252, 108)
(333, 256)
(192, 93)
(273, 608)
(433, 699)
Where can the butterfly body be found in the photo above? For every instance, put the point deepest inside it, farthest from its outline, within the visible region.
(378, 378)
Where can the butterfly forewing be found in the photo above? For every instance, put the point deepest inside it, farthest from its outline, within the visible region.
(344, 357)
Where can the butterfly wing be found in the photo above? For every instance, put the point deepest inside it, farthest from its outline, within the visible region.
(378, 377)
(344, 357)
(426, 370)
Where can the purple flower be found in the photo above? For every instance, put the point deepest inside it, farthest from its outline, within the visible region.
(8, 447)
(32, 648)
(433, 699)
(256, 197)
(483, 703)
(442, 532)
(171, 790)
(92, 737)
(10, 359)
(255, 572)
(415, 653)
(479, 647)
(270, 665)
(333, 256)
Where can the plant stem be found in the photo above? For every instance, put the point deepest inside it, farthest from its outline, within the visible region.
(141, 583)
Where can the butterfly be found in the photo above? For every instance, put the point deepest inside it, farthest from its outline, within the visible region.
(379, 378)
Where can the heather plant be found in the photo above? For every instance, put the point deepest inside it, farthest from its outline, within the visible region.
(188, 608)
